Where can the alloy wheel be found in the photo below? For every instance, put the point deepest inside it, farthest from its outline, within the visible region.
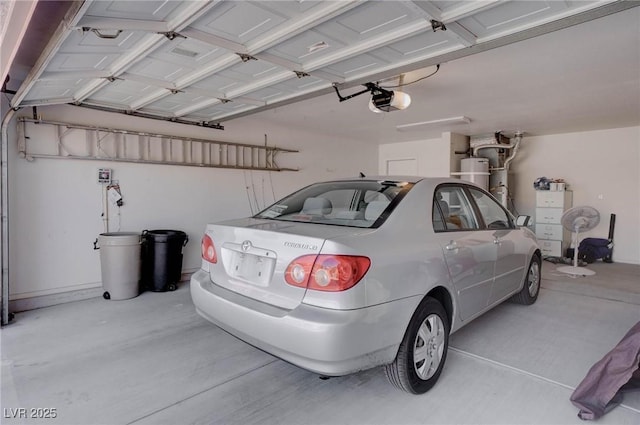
(533, 279)
(428, 348)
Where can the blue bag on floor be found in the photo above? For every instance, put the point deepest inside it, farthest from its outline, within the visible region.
(592, 249)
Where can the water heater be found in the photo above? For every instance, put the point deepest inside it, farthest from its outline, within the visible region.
(475, 170)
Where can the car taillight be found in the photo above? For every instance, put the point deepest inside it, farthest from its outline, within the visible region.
(323, 272)
(208, 250)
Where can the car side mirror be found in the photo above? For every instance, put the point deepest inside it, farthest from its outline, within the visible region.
(523, 220)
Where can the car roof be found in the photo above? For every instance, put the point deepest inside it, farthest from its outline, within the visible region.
(400, 178)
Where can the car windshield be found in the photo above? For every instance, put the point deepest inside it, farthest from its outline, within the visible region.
(354, 203)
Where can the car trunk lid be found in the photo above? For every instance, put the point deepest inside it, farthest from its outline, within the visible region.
(253, 256)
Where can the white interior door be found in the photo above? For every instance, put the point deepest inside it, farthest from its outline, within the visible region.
(402, 167)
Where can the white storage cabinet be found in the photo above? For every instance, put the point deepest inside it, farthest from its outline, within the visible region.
(552, 237)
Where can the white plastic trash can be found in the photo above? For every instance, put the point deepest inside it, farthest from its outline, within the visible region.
(120, 264)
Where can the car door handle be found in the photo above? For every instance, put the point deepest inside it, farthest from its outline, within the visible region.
(452, 246)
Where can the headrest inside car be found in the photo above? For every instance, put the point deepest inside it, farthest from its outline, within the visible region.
(374, 209)
(316, 206)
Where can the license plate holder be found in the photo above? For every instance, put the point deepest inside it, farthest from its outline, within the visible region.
(252, 268)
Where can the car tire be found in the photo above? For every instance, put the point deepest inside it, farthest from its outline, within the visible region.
(531, 287)
(423, 350)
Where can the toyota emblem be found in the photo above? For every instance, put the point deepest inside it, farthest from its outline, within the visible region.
(246, 245)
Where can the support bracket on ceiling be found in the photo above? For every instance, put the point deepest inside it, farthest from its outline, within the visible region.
(4, 86)
(172, 35)
(246, 57)
(370, 88)
(437, 25)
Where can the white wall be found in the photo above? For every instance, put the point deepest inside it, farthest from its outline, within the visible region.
(603, 170)
(55, 205)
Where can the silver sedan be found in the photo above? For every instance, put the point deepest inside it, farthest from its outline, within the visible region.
(346, 275)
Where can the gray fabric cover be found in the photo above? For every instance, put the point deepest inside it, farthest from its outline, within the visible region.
(618, 371)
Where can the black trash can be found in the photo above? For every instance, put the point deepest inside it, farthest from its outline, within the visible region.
(162, 259)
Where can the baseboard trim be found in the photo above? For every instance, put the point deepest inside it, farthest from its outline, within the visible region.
(41, 301)
(32, 303)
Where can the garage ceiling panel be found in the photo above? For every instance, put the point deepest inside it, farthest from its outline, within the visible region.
(308, 45)
(86, 41)
(251, 70)
(220, 109)
(148, 10)
(268, 94)
(217, 83)
(170, 105)
(122, 93)
(293, 9)
(154, 68)
(239, 21)
(516, 15)
(420, 46)
(373, 18)
(224, 59)
(188, 52)
(81, 61)
(359, 65)
(59, 90)
(300, 85)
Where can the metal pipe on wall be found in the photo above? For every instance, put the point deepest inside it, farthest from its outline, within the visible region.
(514, 151)
(514, 146)
(4, 204)
(497, 145)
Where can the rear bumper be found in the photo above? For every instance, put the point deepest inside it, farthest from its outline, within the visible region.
(325, 341)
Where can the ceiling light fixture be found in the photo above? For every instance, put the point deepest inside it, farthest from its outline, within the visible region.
(434, 123)
(382, 100)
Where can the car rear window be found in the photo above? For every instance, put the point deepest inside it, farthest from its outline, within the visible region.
(354, 203)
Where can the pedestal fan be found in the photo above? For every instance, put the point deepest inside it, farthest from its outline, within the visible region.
(576, 220)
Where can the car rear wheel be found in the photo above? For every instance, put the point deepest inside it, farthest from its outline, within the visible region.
(423, 350)
(529, 293)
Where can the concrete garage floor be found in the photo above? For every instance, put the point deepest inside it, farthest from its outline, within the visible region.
(152, 360)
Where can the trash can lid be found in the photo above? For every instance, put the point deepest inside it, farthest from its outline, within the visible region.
(119, 238)
(164, 235)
